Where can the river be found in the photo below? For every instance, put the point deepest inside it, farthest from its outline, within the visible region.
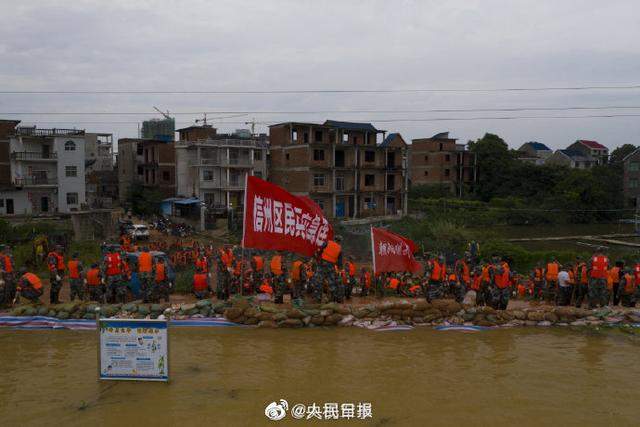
(226, 376)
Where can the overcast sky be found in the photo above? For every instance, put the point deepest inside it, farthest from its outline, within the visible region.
(304, 45)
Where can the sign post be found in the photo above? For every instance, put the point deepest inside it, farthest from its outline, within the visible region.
(133, 349)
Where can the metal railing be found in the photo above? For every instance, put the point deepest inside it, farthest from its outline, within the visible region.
(35, 180)
(33, 155)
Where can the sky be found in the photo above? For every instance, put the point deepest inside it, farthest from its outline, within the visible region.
(301, 45)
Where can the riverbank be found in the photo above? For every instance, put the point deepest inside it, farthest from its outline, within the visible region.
(370, 314)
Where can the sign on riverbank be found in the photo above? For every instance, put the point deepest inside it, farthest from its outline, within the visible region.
(133, 349)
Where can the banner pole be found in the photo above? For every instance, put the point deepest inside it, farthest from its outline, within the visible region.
(373, 251)
(244, 208)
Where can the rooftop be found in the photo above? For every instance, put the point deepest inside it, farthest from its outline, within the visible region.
(592, 144)
(538, 146)
(33, 131)
(368, 127)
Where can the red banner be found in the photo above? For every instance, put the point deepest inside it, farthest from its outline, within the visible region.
(392, 252)
(275, 219)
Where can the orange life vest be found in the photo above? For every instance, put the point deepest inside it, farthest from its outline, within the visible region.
(59, 262)
(200, 282)
(8, 265)
(636, 274)
(33, 280)
(466, 274)
(599, 265)
(93, 277)
(393, 283)
(502, 280)
(477, 279)
(161, 273)
(331, 252)
(438, 272)
(276, 265)
(258, 262)
(552, 271)
(296, 267)
(367, 279)
(351, 266)
(74, 270)
(266, 288)
(308, 268)
(227, 257)
(202, 264)
(485, 277)
(538, 274)
(114, 264)
(145, 262)
(614, 273)
(629, 284)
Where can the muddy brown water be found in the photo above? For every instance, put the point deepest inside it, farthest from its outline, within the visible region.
(226, 376)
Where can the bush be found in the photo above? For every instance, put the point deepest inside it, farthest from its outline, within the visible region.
(523, 259)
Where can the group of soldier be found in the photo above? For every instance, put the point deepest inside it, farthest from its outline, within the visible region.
(107, 281)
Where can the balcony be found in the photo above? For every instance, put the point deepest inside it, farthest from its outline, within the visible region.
(34, 155)
(35, 181)
(239, 163)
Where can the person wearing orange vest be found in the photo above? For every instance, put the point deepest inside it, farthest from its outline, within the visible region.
(613, 281)
(145, 274)
(628, 289)
(95, 284)
(7, 274)
(351, 271)
(161, 286)
(365, 282)
(330, 256)
(224, 267)
(582, 282)
(76, 282)
(483, 296)
(297, 279)
(436, 272)
(551, 279)
(500, 288)
(278, 272)
(462, 274)
(257, 265)
(537, 277)
(201, 287)
(265, 286)
(598, 272)
(202, 262)
(55, 262)
(112, 274)
(29, 286)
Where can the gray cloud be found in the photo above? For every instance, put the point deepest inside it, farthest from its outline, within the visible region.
(244, 45)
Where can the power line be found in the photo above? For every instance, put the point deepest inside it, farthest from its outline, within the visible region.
(292, 112)
(317, 91)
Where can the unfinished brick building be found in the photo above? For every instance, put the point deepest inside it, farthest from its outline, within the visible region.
(351, 170)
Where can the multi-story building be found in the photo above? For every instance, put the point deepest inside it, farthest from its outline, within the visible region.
(351, 170)
(101, 177)
(534, 152)
(571, 158)
(631, 178)
(46, 171)
(592, 149)
(212, 167)
(439, 160)
(148, 162)
(99, 151)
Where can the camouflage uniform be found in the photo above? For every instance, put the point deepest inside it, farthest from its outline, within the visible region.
(222, 280)
(598, 292)
(76, 289)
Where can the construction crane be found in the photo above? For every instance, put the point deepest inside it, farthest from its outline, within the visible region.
(166, 115)
(253, 125)
(203, 121)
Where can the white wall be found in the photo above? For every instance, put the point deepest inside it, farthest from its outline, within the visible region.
(21, 202)
(70, 184)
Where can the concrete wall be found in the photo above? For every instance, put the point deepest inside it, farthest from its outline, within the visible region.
(66, 184)
(20, 199)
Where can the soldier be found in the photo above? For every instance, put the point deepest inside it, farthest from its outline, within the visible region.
(598, 267)
(112, 269)
(582, 281)
(55, 262)
(551, 278)
(351, 271)
(463, 272)
(501, 284)
(365, 282)
(278, 272)
(327, 258)
(201, 287)
(437, 277)
(145, 273)
(224, 263)
(29, 286)
(296, 278)
(76, 282)
(95, 284)
(7, 267)
(257, 265)
(627, 291)
(537, 277)
(161, 285)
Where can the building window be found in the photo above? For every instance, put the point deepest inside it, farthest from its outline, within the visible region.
(318, 155)
(71, 171)
(294, 135)
(1, 203)
(257, 174)
(369, 156)
(447, 172)
(441, 146)
(447, 157)
(634, 166)
(426, 173)
(140, 170)
(355, 139)
(72, 198)
(426, 158)
(319, 202)
(369, 203)
(318, 180)
(139, 149)
(207, 175)
(369, 180)
(286, 156)
(339, 183)
(257, 155)
(345, 137)
(305, 137)
(633, 183)
(69, 146)
(166, 176)
(318, 136)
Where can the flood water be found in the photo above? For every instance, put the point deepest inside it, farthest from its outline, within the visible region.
(528, 376)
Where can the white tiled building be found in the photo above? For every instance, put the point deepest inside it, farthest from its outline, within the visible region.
(47, 172)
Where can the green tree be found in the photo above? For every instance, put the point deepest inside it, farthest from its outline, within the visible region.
(494, 166)
(621, 152)
(143, 200)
